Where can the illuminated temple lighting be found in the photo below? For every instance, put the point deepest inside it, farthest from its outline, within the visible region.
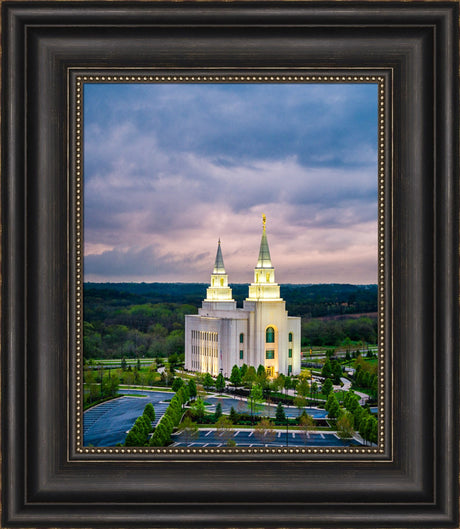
(260, 333)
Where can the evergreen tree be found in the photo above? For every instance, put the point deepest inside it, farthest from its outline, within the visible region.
(243, 370)
(326, 372)
(327, 386)
(218, 411)
(177, 384)
(149, 412)
(220, 383)
(234, 417)
(235, 377)
(280, 416)
(260, 370)
(208, 381)
(192, 388)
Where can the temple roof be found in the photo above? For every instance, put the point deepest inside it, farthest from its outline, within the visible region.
(219, 267)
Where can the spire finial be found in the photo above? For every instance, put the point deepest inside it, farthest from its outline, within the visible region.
(264, 219)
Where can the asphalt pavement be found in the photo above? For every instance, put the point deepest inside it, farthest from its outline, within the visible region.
(247, 437)
(108, 423)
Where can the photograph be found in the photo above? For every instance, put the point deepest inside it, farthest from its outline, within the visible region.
(230, 264)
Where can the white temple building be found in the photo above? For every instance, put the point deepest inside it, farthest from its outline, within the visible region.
(261, 333)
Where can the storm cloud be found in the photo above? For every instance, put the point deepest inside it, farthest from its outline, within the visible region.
(171, 168)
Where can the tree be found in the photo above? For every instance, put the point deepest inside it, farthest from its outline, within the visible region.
(306, 424)
(177, 384)
(260, 370)
(336, 371)
(233, 415)
(208, 381)
(110, 385)
(334, 408)
(250, 376)
(123, 363)
(264, 431)
(149, 412)
(300, 402)
(235, 377)
(314, 388)
(220, 383)
(224, 429)
(243, 370)
(189, 430)
(344, 426)
(198, 409)
(327, 386)
(280, 416)
(256, 397)
(287, 383)
(303, 387)
(192, 390)
(326, 372)
(329, 400)
(279, 382)
(218, 412)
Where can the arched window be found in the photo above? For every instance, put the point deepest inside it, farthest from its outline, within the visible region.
(268, 277)
(270, 335)
(221, 281)
(241, 338)
(290, 336)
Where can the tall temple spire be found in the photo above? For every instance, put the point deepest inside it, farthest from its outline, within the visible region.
(264, 286)
(264, 260)
(219, 289)
(219, 267)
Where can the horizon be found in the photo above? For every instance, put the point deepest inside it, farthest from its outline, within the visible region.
(230, 283)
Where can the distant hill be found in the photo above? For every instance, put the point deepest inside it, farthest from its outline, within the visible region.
(301, 300)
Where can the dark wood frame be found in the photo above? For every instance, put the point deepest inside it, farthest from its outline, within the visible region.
(415, 482)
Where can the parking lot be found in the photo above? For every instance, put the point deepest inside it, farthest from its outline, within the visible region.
(246, 437)
(107, 424)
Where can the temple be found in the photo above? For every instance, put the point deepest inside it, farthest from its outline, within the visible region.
(260, 333)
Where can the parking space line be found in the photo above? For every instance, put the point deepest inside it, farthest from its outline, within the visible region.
(210, 431)
(250, 433)
(236, 433)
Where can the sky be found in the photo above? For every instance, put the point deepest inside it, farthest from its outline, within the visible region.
(171, 168)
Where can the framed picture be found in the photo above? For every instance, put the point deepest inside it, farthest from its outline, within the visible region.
(97, 98)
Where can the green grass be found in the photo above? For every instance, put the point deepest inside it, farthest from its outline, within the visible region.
(147, 388)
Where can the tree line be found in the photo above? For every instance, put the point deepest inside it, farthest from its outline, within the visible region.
(130, 320)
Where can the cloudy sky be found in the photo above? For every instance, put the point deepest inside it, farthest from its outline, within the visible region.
(170, 168)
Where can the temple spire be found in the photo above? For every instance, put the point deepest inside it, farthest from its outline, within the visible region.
(264, 286)
(264, 260)
(219, 267)
(219, 289)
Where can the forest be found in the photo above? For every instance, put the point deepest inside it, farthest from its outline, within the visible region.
(147, 319)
